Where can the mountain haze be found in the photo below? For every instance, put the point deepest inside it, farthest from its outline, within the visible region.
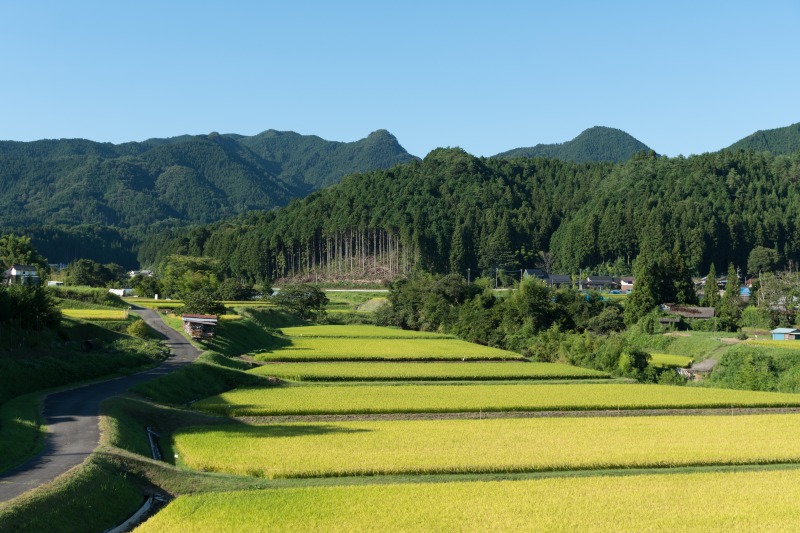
(597, 144)
(778, 141)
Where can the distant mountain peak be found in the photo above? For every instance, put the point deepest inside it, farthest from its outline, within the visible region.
(595, 144)
(778, 141)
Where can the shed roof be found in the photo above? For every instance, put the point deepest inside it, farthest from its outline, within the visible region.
(691, 311)
(785, 330)
(200, 319)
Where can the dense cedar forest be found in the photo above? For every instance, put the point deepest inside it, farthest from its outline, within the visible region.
(596, 144)
(75, 196)
(576, 208)
(780, 141)
(451, 212)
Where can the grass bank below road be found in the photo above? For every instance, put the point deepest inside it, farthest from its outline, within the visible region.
(21, 432)
(94, 496)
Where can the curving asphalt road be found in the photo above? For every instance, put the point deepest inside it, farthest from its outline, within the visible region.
(72, 417)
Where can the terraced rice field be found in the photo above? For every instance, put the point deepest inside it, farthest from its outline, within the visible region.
(359, 331)
(454, 371)
(789, 345)
(352, 399)
(490, 445)
(96, 314)
(741, 501)
(483, 448)
(666, 360)
(377, 349)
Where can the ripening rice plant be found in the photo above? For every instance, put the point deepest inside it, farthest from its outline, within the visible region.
(377, 349)
(96, 314)
(433, 371)
(352, 399)
(488, 445)
(741, 501)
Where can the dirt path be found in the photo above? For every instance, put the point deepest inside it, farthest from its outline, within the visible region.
(72, 417)
(736, 411)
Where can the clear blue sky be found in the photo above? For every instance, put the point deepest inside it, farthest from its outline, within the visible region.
(682, 77)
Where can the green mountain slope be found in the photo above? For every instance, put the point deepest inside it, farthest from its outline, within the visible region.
(451, 212)
(777, 141)
(187, 179)
(318, 163)
(593, 145)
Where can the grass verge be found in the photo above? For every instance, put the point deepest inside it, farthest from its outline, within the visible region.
(211, 373)
(21, 430)
(94, 496)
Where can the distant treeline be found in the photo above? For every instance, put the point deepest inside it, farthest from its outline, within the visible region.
(451, 212)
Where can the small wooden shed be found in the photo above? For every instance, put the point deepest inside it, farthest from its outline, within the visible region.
(199, 326)
(785, 334)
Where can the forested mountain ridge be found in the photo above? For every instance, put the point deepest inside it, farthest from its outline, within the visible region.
(595, 144)
(777, 141)
(196, 179)
(452, 211)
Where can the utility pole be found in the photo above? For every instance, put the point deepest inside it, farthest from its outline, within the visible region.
(468, 276)
(495, 277)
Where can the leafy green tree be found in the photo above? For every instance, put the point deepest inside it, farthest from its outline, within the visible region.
(146, 286)
(29, 307)
(761, 260)
(609, 320)
(304, 300)
(202, 302)
(231, 290)
(93, 274)
(16, 250)
(185, 274)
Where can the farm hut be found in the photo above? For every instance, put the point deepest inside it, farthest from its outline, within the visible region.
(703, 368)
(785, 334)
(199, 326)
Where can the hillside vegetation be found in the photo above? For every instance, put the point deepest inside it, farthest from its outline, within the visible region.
(74, 189)
(776, 141)
(452, 211)
(596, 144)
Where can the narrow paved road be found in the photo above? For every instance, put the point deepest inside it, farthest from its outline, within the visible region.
(72, 417)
